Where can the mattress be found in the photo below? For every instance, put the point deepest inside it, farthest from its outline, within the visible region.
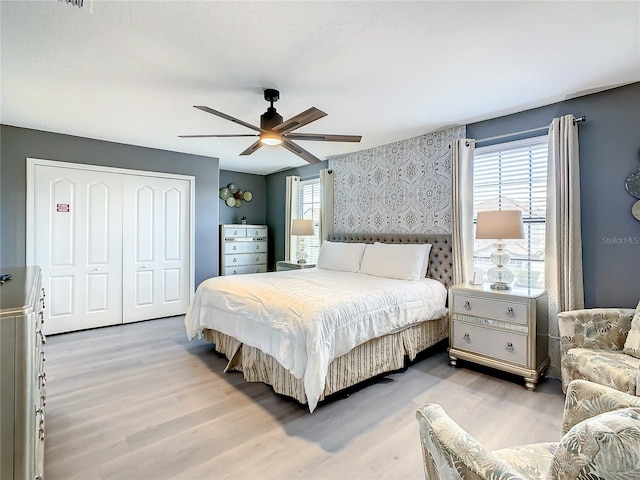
(307, 318)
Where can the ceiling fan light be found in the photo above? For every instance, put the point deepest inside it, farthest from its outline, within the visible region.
(271, 138)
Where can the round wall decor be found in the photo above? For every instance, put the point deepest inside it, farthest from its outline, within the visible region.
(233, 196)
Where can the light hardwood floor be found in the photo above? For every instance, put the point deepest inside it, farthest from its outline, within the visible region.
(141, 402)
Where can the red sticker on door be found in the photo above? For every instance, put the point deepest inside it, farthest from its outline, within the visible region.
(62, 207)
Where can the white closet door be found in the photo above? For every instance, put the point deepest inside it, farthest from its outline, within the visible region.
(156, 262)
(78, 244)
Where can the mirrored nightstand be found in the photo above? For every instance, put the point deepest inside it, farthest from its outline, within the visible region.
(282, 266)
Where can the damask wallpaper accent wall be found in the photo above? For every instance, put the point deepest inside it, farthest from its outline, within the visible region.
(401, 187)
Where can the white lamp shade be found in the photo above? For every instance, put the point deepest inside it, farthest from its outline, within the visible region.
(301, 226)
(499, 224)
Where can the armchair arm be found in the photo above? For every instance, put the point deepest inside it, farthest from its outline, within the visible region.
(450, 453)
(587, 399)
(599, 328)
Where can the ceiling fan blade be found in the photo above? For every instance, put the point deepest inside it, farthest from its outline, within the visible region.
(218, 136)
(252, 148)
(229, 117)
(319, 137)
(299, 120)
(299, 151)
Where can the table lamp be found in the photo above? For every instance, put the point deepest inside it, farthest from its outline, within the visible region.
(302, 227)
(500, 225)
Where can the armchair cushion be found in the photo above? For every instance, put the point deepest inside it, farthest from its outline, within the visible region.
(530, 461)
(587, 399)
(611, 368)
(605, 446)
(632, 344)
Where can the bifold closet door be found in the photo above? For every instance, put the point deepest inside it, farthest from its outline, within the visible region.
(156, 261)
(78, 244)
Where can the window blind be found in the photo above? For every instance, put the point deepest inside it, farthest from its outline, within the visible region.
(310, 209)
(513, 175)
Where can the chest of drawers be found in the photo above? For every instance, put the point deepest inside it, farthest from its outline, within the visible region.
(243, 249)
(22, 377)
(506, 330)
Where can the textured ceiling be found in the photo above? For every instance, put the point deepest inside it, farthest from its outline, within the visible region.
(131, 71)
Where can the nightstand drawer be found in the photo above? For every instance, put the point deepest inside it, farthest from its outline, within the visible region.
(506, 346)
(489, 307)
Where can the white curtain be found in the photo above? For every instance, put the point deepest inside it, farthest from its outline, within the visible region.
(563, 239)
(292, 206)
(327, 177)
(462, 209)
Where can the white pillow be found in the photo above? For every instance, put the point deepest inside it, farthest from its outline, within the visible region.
(404, 262)
(344, 257)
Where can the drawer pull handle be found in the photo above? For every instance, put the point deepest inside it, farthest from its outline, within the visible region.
(43, 356)
(467, 305)
(509, 347)
(510, 312)
(43, 339)
(257, 247)
(43, 380)
(234, 272)
(235, 247)
(467, 338)
(41, 434)
(235, 259)
(235, 232)
(42, 302)
(257, 259)
(43, 294)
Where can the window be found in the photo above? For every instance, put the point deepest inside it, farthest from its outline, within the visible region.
(310, 209)
(513, 175)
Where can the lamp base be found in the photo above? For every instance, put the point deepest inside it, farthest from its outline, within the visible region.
(302, 260)
(500, 286)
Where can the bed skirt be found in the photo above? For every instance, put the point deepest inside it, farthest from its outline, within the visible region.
(377, 356)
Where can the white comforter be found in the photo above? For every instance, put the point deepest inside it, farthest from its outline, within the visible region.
(306, 318)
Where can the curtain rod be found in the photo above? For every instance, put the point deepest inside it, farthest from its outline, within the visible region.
(575, 120)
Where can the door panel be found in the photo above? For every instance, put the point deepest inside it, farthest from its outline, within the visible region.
(80, 219)
(156, 256)
(78, 244)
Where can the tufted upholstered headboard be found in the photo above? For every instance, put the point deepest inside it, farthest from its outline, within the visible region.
(440, 257)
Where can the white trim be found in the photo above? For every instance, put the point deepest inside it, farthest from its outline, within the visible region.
(33, 162)
(523, 142)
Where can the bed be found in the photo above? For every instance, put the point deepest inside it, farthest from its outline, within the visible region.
(312, 332)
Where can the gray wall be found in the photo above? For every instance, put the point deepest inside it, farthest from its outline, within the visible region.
(609, 145)
(276, 193)
(20, 143)
(256, 209)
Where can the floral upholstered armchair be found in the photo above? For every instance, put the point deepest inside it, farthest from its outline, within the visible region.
(601, 439)
(601, 345)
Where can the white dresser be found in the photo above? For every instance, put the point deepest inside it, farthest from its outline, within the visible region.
(22, 377)
(243, 249)
(506, 330)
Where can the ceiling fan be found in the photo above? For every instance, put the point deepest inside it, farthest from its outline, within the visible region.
(273, 131)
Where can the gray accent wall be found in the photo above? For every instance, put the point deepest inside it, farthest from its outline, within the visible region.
(20, 143)
(609, 143)
(256, 209)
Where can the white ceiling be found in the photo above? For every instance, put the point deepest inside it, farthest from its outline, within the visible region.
(130, 71)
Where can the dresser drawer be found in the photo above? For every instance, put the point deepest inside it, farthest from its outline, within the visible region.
(507, 346)
(241, 270)
(245, 259)
(256, 232)
(491, 308)
(235, 232)
(245, 247)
